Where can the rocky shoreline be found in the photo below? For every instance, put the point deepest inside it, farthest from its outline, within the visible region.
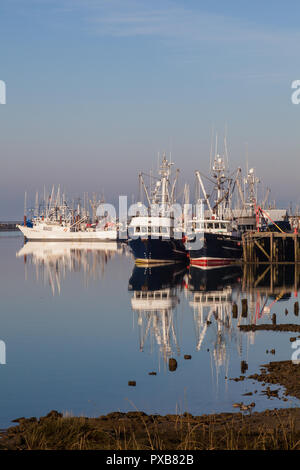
(246, 429)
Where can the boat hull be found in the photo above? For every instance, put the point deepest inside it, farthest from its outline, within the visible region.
(215, 250)
(155, 251)
(61, 235)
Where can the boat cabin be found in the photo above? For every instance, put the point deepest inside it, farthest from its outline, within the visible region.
(151, 226)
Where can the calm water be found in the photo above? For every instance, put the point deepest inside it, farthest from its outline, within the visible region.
(79, 322)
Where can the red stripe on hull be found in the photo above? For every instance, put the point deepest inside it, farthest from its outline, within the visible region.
(211, 261)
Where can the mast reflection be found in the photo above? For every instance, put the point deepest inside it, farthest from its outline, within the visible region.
(53, 260)
(155, 298)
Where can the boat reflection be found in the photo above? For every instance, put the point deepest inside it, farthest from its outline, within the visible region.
(212, 294)
(266, 285)
(53, 260)
(155, 298)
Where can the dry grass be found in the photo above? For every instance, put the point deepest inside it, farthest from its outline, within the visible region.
(137, 431)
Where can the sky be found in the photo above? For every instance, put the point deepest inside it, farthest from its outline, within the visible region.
(96, 88)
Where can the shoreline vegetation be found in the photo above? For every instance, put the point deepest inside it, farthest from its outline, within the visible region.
(268, 430)
(248, 430)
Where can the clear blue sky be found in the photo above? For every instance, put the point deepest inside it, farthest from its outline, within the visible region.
(95, 88)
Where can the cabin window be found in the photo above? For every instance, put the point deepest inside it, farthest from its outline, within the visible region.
(137, 229)
(217, 225)
(144, 229)
(223, 226)
(210, 225)
(164, 229)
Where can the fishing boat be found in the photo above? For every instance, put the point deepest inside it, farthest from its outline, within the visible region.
(43, 230)
(214, 239)
(59, 222)
(154, 236)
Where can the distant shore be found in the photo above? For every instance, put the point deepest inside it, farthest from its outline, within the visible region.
(9, 226)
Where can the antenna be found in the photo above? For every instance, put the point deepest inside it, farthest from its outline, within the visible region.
(25, 208)
(225, 146)
(211, 147)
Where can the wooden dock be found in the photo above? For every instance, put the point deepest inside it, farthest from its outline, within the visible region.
(271, 247)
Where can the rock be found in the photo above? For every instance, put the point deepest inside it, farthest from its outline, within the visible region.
(152, 373)
(18, 420)
(244, 366)
(172, 364)
(296, 309)
(292, 339)
(132, 383)
(187, 356)
(54, 414)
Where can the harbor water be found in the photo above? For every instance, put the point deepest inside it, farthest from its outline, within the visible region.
(78, 322)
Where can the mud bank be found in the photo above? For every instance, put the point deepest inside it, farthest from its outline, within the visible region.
(272, 429)
(285, 373)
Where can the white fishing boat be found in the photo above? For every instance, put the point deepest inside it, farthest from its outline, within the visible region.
(43, 230)
(59, 222)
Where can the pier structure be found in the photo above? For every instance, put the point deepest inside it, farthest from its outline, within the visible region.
(271, 247)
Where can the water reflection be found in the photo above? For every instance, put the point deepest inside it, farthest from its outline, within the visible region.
(53, 260)
(213, 293)
(267, 285)
(178, 311)
(215, 296)
(155, 298)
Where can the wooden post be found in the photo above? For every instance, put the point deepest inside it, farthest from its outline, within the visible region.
(271, 248)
